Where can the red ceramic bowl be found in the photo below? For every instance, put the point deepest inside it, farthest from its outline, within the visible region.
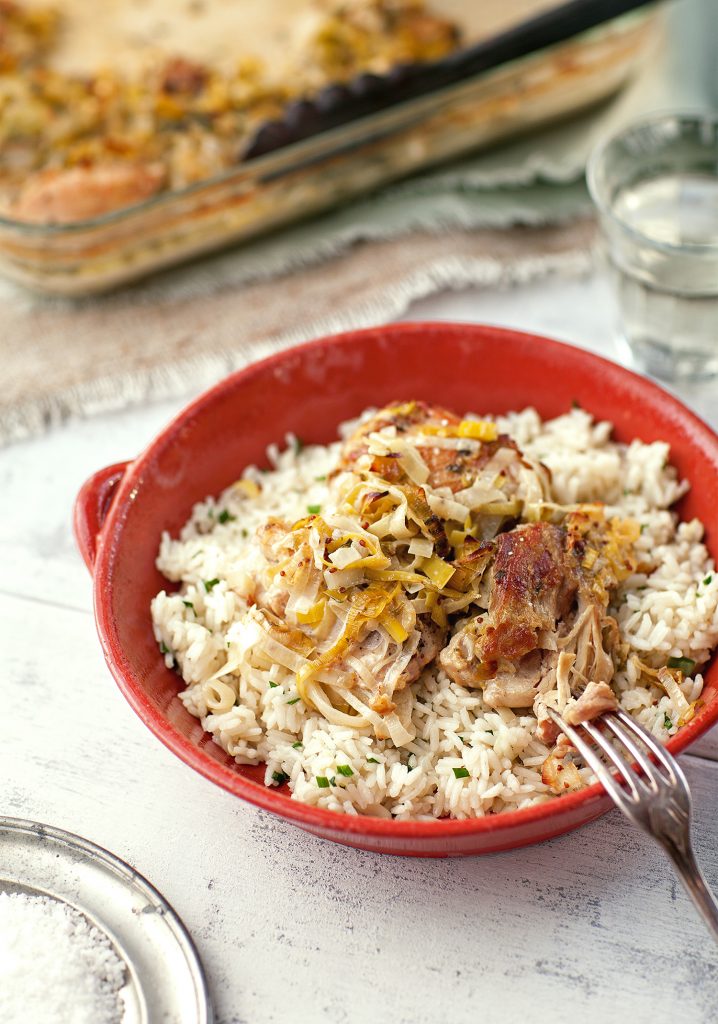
(121, 511)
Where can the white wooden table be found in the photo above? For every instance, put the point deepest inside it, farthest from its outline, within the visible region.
(590, 927)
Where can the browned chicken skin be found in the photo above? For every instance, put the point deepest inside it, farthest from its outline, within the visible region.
(542, 618)
(534, 585)
(79, 193)
(455, 469)
(407, 417)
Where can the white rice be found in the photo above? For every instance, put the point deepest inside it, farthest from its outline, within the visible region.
(670, 613)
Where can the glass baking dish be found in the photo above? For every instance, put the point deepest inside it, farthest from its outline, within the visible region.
(316, 173)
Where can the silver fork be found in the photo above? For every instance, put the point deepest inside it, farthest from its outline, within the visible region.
(656, 798)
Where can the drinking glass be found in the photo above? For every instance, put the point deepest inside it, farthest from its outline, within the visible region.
(655, 185)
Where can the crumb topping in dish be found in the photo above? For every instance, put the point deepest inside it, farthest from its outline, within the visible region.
(77, 146)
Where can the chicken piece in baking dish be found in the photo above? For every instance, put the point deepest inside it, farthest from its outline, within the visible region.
(81, 193)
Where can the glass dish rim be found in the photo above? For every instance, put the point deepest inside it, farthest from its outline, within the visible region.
(597, 160)
(285, 154)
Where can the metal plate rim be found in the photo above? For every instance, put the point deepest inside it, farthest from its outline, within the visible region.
(131, 879)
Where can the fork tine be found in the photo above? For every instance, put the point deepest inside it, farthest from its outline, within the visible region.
(628, 739)
(655, 746)
(613, 755)
(600, 769)
(662, 812)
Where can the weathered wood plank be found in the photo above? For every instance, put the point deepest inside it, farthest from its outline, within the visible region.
(39, 482)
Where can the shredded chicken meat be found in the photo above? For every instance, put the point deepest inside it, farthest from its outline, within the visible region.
(546, 626)
(594, 701)
(513, 648)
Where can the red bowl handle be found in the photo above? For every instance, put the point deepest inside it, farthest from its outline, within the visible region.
(91, 507)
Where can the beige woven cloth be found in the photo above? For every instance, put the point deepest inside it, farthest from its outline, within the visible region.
(61, 359)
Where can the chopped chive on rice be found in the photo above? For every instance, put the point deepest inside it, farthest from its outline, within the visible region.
(188, 604)
(322, 781)
(460, 773)
(210, 584)
(272, 684)
(164, 649)
(686, 665)
(294, 700)
(372, 760)
(707, 581)
(344, 769)
(280, 778)
(314, 510)
(298, 745)
(225, 516)
(321, 478)
(667, 723)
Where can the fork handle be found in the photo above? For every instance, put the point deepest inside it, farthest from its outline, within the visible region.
(694, 883)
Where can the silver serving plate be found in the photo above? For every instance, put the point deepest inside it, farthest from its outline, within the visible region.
(165, 980)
